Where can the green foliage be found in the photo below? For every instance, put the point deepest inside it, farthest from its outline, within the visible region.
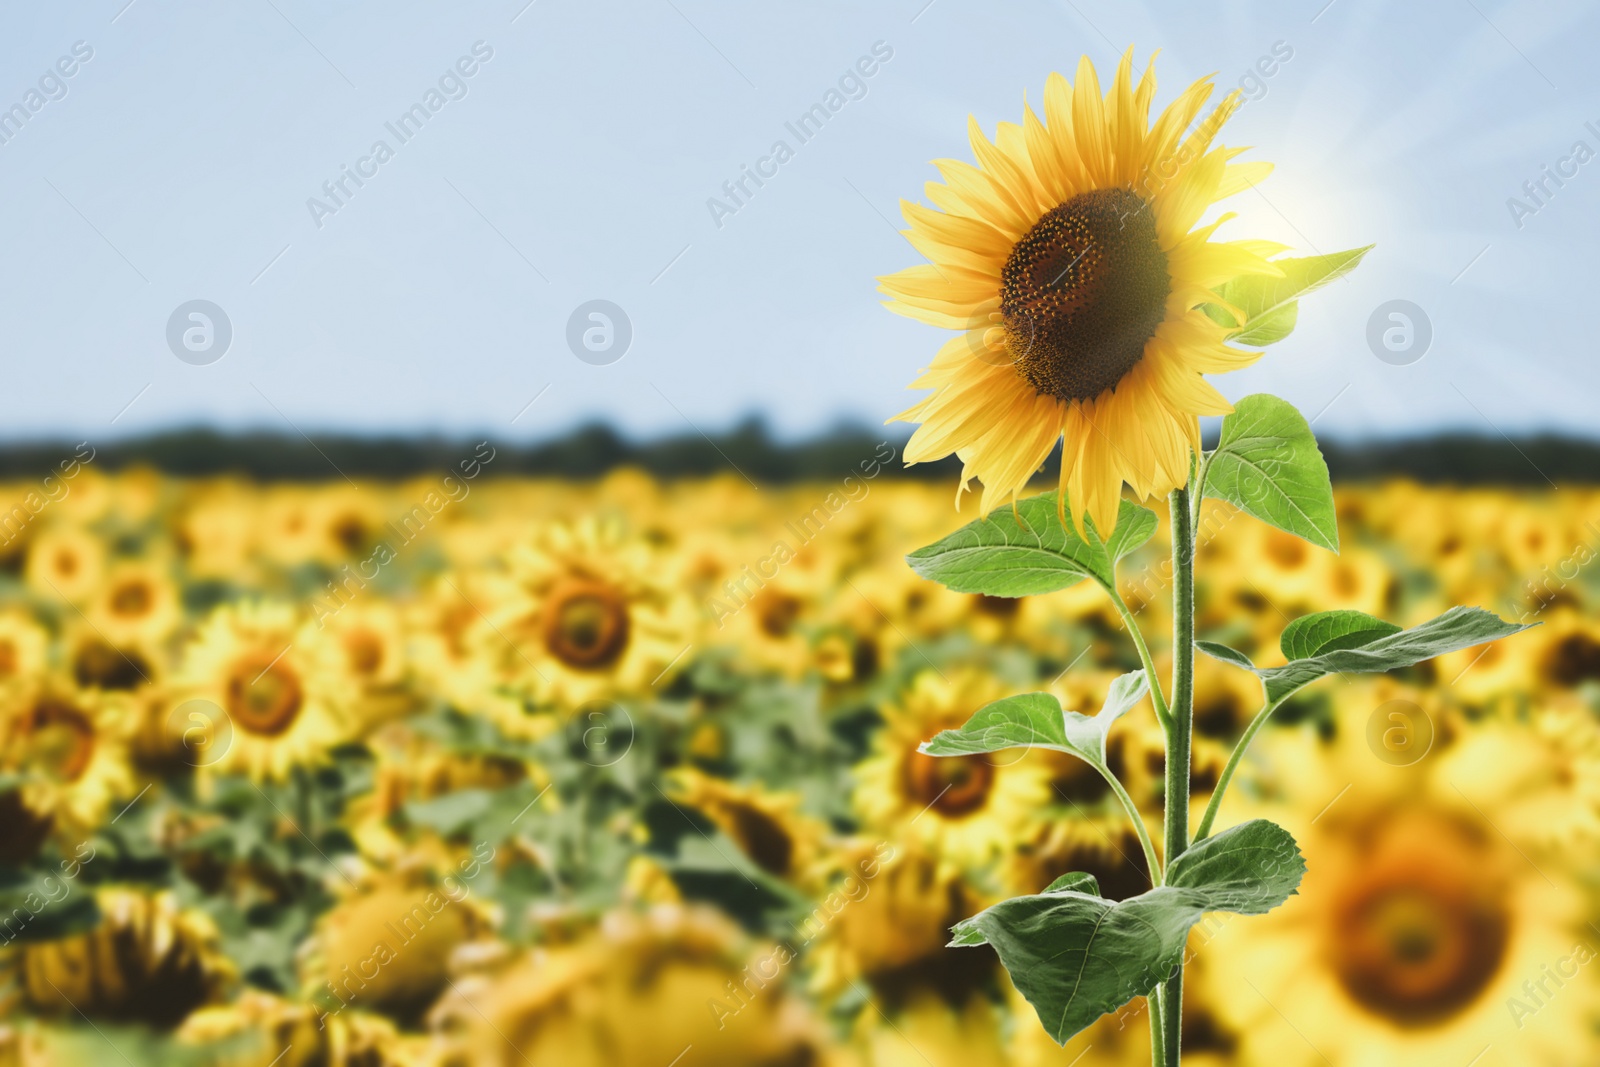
(1329, 631)
(1378, 647)
(1267, 465)
(1076, 956)
(1027, 550)
(1271, 305)
(1075, 882)
(1036, 720)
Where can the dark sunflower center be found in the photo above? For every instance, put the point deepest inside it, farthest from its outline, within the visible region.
(763, 839)
(1573, 660)
(98, 665)
(264, 694)
(952, 785)
(1082, 292)
(1417, 954)
(364, 650)
(63, 740)
(777, 613)
(586, 624)
(131, 599)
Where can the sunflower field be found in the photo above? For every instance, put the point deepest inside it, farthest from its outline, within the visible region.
(487, 771)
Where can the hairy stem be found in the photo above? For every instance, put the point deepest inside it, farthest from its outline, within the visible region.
(1158, 1035)
(1157, 697)
(1179, 733)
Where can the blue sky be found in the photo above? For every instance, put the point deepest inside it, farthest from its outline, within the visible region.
(577, 159)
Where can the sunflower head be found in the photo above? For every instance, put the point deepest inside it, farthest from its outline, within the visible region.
(69, 746)
(147, 961)
(1070, 259)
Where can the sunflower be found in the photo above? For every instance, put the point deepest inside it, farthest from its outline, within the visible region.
(147, 961)
(1431, 927)
(1540, 775)
(672, 985)
(129, 663)
(137, 604)
(449, 651)
(291, 531)
(966, 807)
(268, 687)
(928, 1032)
(215, 530)
(369, 638)
(261, 1030)
(887, 924)
(70, 747)
(768, 827)
(24, 649)
(1104, 846)
(386, 946)
(585, 612)
(1070, 260)
(65, 562)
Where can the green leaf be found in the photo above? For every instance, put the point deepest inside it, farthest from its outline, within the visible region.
(1076, 956)
(1029, 550)
(1329, 631)
(1271, 305)
(1076, 882)
(1036, 720)
(1249, 869)
(1219, 651)
(1267, 465)
(1382, 650)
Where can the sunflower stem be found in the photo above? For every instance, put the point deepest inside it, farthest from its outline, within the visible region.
(1152, 859)
(1203, 831)
(1157, 697)
(1179, 734)
(1152, 1002)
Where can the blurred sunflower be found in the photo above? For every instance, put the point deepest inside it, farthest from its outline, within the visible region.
(65, 562)
(137, 605)
(928, 1032)
(70, 748)
(348, 521)
(368, 641)
(1070, 259)
(261, 1030)
(386, 945)
(147, 961)
(97, 663)
(585, 611)
(1102, 845)
(670, 985)
(448, 649)
(291, 532)
(889, 926)
(24, 648)
(768, 827)
(278, 694)
(768, 605)
(1569, 653)
(1424, 932)
(214, 530)
(966, 807)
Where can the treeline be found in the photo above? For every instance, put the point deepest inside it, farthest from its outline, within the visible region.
(750, 448)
